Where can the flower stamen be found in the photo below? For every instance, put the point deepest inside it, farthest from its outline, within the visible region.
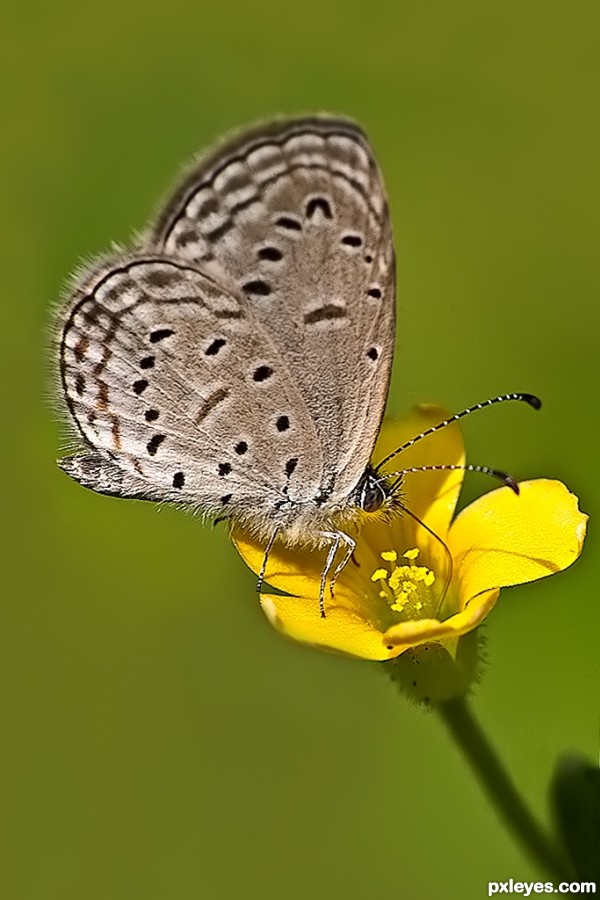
(406, 587)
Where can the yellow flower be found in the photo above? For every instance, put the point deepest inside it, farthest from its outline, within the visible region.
(403, 588)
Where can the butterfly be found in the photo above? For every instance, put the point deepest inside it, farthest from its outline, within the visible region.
(237, 359)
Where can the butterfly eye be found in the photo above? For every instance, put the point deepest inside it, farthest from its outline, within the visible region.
(372, 495)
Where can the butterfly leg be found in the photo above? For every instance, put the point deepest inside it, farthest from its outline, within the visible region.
(263, 568)
(350, 547)
(337, 538)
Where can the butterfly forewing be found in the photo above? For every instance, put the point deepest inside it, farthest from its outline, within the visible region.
(293, 216)
(181, 393)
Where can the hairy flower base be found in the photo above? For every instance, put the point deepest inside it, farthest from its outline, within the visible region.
(404, 588)
(437, 672)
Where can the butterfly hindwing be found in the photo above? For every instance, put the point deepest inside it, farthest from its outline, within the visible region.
(179, 392)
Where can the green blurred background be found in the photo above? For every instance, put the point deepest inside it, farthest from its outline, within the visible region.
(159, 740)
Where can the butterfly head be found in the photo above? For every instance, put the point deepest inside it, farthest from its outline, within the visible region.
(374, 492)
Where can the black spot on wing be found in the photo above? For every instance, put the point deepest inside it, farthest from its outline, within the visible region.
(318, 204)
(215, 346)
(258, 287)
(290, 466)
(189, 236)
(154, 443)
(160, 334)
(207, 207)
(262, 373)
(272, 254)
(288, 223)
(352, 240)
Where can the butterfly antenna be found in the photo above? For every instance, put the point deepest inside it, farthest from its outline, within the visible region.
(531, 399)
(504, 477)
(448, 578)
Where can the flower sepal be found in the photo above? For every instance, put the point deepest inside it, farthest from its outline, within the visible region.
(437, 672)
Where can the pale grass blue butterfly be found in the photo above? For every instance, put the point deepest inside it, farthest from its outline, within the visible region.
(237, 359)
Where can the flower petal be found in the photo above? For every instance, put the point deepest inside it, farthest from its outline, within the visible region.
(502, 539)
(342, 631)
(421, 631)
(429, 495)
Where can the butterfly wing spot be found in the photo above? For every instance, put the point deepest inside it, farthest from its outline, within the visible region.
(241, 447)
(187, 236)
(102, 397)
(139, 386)
(101, 365)
(215, 346)
(319, 205)
(351, 240)
(178, 480)
(257, 287)
(81, 348)
(79, 384)
(224, 469)
(288, 223)
(272, 254)
(373, 353)
(368, 258)
(290, 466)
(374, 292)
(207, 207)
(262, 373)
(160, 334)
(151, 415)
(154, 443)
(282, 423)
(147, 362)
(226, 498)
(90, 315)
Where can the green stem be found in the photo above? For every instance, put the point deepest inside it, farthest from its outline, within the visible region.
(495, 781)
